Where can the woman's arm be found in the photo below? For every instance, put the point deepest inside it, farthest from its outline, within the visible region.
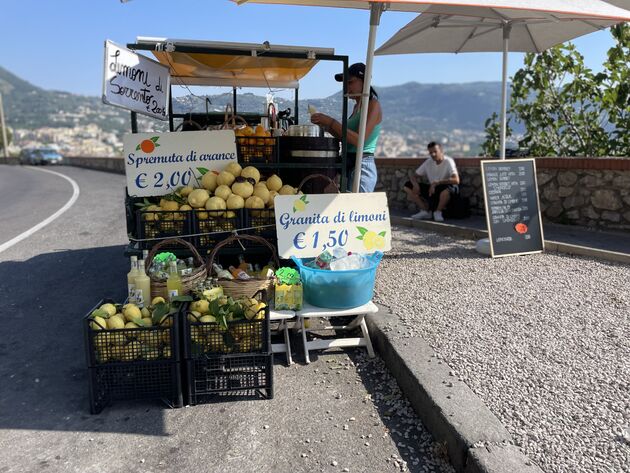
(334, 127)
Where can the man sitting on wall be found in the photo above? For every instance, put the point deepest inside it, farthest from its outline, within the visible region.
(434, 196)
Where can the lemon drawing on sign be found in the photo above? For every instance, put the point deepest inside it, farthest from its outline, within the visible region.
(371, 240)
(300, 204)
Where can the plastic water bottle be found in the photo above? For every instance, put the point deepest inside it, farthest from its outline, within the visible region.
(350, 262)
(338, 252)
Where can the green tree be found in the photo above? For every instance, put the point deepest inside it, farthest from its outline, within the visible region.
(616, 90)
(567, 109)
(491, 146)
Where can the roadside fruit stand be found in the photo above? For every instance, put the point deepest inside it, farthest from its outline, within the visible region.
(207, 281)
(266, 153)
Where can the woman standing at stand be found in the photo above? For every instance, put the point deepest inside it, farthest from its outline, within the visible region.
(356, 74)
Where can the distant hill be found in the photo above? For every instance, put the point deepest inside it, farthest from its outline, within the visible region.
(411, 107)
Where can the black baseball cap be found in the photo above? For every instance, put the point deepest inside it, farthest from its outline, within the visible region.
(356, 70)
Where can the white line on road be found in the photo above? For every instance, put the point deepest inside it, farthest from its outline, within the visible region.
(43, 223)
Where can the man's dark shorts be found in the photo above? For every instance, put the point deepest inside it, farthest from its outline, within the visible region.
(435, 198)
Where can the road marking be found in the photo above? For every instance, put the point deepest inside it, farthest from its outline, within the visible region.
(43, 223)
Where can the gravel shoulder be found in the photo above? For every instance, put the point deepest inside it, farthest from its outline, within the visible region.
(542, 339)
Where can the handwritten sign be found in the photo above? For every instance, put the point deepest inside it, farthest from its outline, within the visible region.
(159, 163)
(135, 82)
(308, 225)
(512, 209)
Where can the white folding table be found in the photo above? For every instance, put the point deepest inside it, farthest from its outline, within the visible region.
(282, 317)
(308, 312)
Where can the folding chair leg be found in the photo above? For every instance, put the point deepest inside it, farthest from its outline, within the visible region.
(304, 342)
(287, 343)
(368, 342)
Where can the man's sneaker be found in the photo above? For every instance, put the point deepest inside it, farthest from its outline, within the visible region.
(423, 215)
(437, 216)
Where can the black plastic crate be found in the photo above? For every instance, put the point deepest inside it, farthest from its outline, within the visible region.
(201, 339)
(229, 377)
(257, 149)
(135, 381)
(133, 363)
(213, 226)
(154, 225)
(261, 223)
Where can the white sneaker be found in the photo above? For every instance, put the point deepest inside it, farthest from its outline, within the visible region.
(437, 216)
(423, 215)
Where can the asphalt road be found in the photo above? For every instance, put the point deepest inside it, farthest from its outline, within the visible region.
(343, 411)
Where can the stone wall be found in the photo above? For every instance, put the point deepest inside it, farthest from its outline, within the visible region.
(115, 165)
(593, 192)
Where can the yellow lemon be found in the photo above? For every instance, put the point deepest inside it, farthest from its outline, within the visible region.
(274, 183)
(170, 205)
(234, 168)
(157, 300)
(115, 322)
(132, 312)
(197, 198)
(202, 306)
(184, 191)
(109, 308)
(209, 181)
(98, 323)
(286, 190)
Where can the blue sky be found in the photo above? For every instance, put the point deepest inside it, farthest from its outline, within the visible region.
(59, 44)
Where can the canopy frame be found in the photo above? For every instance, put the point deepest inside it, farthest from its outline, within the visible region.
(266, 50)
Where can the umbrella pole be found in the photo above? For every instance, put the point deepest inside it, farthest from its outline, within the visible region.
(507, 28)
(375, 17)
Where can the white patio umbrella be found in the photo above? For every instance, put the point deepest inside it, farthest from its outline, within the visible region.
(467, 29)
(589, 10)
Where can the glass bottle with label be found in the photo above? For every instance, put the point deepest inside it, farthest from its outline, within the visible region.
(238, 273)
(214, 290)
(174, 281)
(131, 279)
(222, 273)
(143, 286)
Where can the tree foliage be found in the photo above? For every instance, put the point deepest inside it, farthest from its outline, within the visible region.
(566, 108)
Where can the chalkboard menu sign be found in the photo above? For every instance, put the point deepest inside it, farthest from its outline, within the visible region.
(512, 208)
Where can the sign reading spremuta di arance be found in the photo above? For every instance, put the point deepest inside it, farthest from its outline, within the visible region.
(159, 163)
(308, 225)
(135, 82)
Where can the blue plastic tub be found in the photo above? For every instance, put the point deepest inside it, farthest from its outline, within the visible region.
(338, 289)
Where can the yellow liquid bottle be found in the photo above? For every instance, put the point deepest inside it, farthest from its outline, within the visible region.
(131, 280)
(174, 281)
(142, 286)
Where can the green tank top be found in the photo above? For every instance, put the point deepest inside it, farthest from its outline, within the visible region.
(370, 141)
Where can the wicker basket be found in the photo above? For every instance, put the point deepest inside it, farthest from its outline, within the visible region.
(199, 274)
(244, 288)
(317, 176)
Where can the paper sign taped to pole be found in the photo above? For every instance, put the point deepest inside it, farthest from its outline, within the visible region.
(135, 82)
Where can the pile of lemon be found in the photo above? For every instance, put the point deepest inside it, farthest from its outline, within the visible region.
(119, 332)
(222, 193)
(226, 325)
